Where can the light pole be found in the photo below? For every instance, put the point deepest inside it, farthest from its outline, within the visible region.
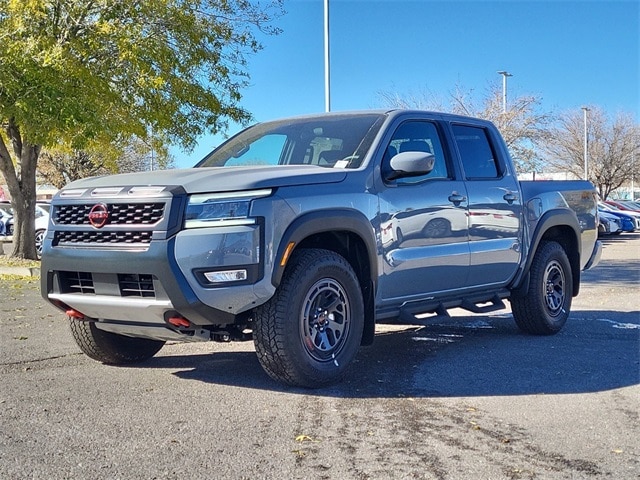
(633, 167)
(152, 149)
(504, 74)
(586, 138)
(327, 76)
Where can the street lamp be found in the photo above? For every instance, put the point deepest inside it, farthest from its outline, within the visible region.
(586, 172)
(504, 74)
(327, 73)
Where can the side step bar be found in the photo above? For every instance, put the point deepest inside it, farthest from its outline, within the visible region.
(439, 311)
(495, 303)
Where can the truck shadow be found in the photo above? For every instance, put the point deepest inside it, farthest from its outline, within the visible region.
(465, 356)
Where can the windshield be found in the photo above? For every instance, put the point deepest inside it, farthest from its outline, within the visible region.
(330, 141)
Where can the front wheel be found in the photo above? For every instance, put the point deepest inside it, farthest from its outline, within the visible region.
(39, 243)
(111, 348)
(544, 308)
(310, 331)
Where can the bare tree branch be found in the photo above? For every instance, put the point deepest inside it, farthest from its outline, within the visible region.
(613, 148)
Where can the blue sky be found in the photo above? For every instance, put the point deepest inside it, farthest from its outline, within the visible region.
(569, 53)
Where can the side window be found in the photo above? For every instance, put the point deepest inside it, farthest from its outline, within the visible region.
(417, 136)
(475, 151)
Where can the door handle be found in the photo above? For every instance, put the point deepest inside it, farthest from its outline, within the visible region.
(510, 197)
(457, 199)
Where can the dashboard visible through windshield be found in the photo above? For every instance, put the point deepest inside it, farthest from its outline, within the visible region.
(330, 141)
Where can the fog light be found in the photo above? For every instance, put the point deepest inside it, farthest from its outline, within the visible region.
(226, 276)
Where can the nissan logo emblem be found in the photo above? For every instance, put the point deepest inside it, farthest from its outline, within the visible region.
(98, 215)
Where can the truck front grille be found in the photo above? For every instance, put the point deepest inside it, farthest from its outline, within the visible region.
(119, 213)
(63, 238)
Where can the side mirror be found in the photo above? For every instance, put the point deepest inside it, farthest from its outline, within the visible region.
(411, 164)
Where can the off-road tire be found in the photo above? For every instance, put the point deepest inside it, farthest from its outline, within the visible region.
(544, 308)
(310, 331)
(111, 348)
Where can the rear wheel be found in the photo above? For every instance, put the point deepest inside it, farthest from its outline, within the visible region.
(544, 308)
(310, 331)
(111, 348)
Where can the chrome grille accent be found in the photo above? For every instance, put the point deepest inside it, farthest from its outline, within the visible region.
(119, 213)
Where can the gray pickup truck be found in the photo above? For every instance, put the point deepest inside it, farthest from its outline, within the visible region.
(304, 233)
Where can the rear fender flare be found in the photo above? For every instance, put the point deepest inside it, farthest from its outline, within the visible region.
(560, 217)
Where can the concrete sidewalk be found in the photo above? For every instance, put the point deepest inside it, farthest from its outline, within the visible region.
(5, 249)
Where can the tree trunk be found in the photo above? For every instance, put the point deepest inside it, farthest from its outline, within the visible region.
(24, 234)
(21, 182)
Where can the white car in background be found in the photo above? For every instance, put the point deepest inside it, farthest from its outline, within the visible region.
(42, 221)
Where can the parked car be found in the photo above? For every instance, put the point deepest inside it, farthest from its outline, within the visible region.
(633, 206)
(623, 205)
(609, 224)
(630, 220)
(41, 223)
(46, 206)
(6, 222)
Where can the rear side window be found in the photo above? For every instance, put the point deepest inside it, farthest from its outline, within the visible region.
(475, 151)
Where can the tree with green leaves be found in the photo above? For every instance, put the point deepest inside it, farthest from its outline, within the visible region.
(59, 166)
(523, 126)
(613, 147)
(76, 72)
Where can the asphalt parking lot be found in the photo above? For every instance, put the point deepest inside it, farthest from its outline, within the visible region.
(469, 398)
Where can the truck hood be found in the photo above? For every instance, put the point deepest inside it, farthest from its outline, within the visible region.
(217, 179)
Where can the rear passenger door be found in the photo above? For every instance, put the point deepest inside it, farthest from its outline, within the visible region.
(495, 206)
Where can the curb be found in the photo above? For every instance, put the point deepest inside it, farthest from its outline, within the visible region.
(21, 271)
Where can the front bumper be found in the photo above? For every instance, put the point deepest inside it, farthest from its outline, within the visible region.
(147, 285)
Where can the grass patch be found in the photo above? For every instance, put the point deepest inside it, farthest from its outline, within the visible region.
(8, 261)
(18, 282)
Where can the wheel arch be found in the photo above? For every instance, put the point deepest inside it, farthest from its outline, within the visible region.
(558, 225)
(346, 232)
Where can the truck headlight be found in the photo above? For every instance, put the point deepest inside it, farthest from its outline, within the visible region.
(221, 209)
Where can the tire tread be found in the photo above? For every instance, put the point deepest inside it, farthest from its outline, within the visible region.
(271, 326)
(528, 312)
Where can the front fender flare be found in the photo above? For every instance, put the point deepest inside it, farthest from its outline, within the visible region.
(324, 221)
